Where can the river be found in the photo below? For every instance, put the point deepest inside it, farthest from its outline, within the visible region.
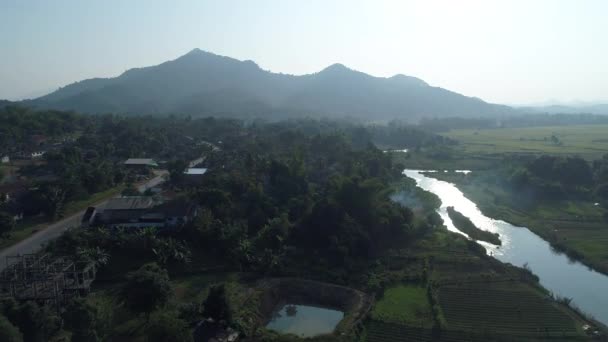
(559, 274)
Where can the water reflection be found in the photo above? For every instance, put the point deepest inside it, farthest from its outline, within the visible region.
(304, 320)
(557, 272)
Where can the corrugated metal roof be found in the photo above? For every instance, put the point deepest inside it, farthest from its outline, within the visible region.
(135, 202)
(195, 171)
(140, 161)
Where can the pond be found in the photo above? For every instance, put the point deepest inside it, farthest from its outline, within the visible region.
(304, 320)
(558, 273)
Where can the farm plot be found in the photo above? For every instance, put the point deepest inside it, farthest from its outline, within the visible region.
(507, 308)
(404, 304)
(391, 332)
(589, 239)
(586, 140)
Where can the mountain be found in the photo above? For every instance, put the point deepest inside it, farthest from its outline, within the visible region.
(202, 83)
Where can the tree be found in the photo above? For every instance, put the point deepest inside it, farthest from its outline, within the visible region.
(83, 320)
(96, 255)
(147, 289)
(176, 170)
(54, 198)
(165, 326)
(273, 234)
(7, 223)
(216, 305)
(38, 323)
(171, 250)
(8, 332)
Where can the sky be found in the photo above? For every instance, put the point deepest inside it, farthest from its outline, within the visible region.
(511, 51)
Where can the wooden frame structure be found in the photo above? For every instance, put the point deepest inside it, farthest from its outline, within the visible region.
(43, 278)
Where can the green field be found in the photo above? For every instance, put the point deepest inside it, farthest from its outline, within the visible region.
(504, 307)
(478, 299)
(590, 141)
(404, 304)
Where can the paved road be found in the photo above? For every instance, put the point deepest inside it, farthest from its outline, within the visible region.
(36, 241)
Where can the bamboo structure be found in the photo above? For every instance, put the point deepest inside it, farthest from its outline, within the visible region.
(45, 279)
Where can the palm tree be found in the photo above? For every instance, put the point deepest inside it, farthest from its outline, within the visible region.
(147, 236)
(171, 250)
(94, 255)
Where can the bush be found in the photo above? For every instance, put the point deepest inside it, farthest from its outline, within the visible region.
(165, 326)
(8, 332)
(147, 289)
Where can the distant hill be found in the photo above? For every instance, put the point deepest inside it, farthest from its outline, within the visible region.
(202, 83)
(599, 109)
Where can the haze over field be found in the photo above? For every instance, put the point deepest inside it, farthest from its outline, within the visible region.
(502, 52)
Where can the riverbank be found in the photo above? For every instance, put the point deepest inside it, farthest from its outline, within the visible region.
(574, 228)
(557, 273)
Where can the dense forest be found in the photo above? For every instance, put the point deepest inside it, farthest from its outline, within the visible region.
(304, 198)
(314, 199)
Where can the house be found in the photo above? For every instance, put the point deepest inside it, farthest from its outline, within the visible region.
(193, 175)
(38, 139)
(12, 191)
(30, 154)
(5, 160)
(140, 163)
(37, 154)
(140, 212)
(11, 199)
(195, 171)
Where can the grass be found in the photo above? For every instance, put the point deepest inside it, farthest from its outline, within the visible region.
(195, 288)
(586, 140)
(23, 230)
(459, 160)
(404, 304)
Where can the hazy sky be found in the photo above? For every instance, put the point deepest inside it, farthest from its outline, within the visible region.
(501, 51)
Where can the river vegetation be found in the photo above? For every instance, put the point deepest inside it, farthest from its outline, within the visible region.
(559, 198)
(465, 225)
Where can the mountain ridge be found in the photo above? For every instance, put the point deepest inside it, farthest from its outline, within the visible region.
(196, 82)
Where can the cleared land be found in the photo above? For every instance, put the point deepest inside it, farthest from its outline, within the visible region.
(590, 141)
(504, 307)
(478, 299)
(403, 304)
